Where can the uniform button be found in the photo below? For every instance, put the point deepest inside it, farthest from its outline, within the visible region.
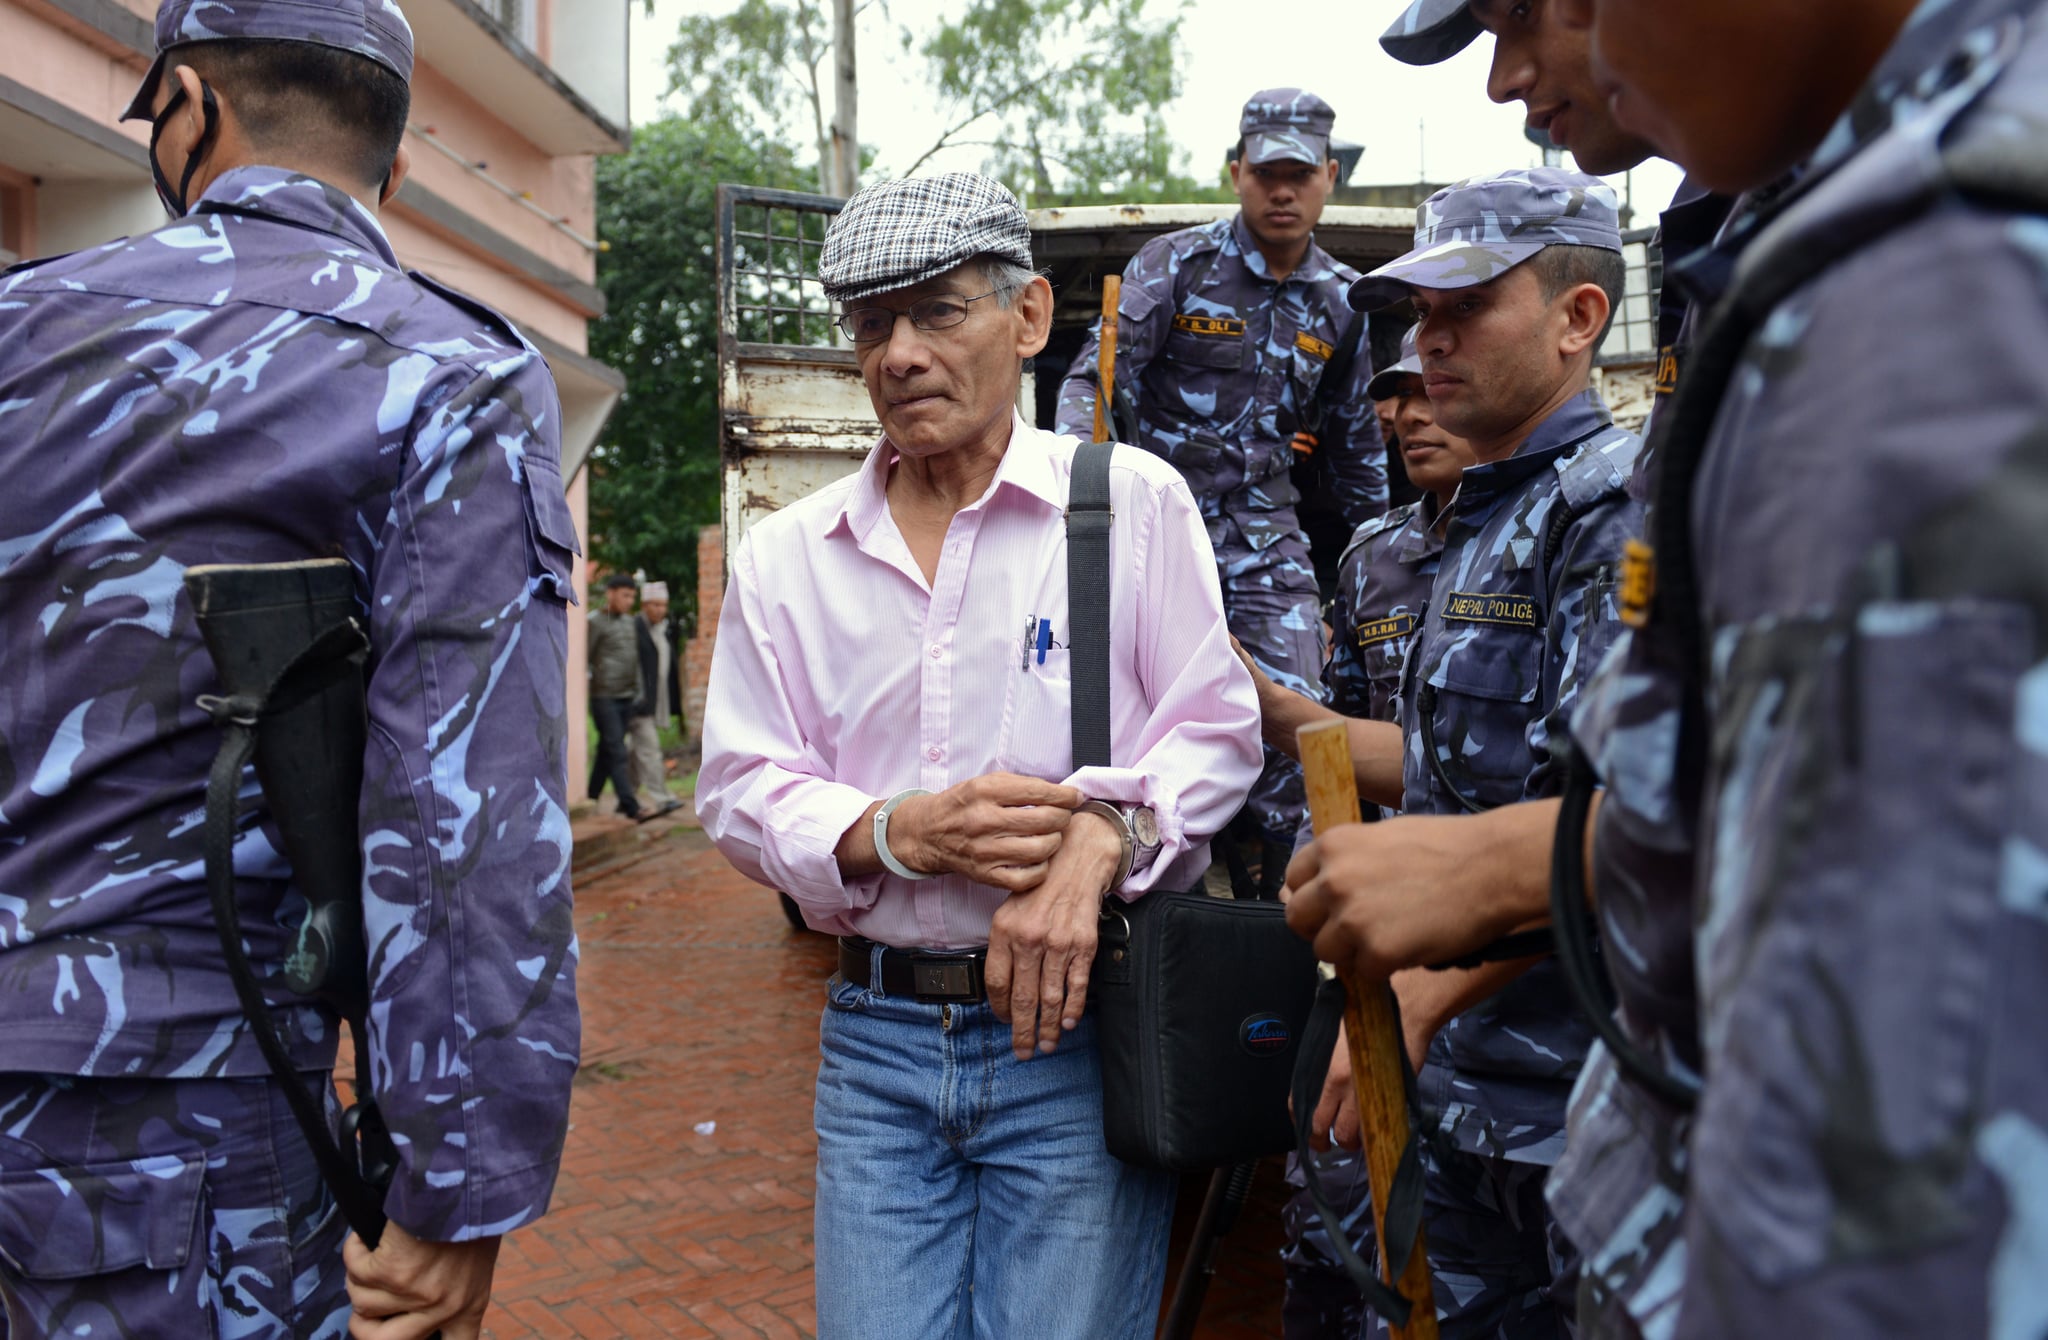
(937, 651)
(935, 753)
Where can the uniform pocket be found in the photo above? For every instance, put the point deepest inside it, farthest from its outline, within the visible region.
(1222, 353)
(552, 546)
(67, 1222)
(1850, 932)
(135, 1229)
(1038, 719)
(1480, 697)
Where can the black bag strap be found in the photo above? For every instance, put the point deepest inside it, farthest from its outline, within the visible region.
(1089, 517)
(1402, 1213)
(357, 1183)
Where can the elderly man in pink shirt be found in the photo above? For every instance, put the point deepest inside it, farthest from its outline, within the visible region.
(887, 739)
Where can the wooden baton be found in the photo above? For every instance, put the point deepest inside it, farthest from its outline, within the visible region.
(1378, 1059)
(1105, 359)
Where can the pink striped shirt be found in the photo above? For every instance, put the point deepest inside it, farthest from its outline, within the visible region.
(840, 678)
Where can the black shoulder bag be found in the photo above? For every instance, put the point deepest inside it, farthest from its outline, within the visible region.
(1199, 1002)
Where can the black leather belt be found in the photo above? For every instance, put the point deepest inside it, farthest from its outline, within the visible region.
(928, 976)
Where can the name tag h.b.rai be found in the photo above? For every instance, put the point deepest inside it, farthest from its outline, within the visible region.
(1383, 630)
(1483, 607)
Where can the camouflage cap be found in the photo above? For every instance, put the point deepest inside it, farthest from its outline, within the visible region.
(1431, 31)
(373, 28)
(1476, 231)
(1385, 383)
(898, 233)
(1286, 124)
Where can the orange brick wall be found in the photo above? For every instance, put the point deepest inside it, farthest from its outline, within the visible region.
(697, 653)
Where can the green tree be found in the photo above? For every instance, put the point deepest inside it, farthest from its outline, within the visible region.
(1065, 96)
(1062, 95)
(654, 475)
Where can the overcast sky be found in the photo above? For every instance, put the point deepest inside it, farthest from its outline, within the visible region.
(1432, 123)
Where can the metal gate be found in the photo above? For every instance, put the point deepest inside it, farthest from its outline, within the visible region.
(793, 414)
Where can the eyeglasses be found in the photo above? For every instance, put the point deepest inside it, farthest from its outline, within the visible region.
(866, 325)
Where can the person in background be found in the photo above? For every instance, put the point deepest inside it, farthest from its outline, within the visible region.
(660, 698)
(1238, 353)
(614, 652)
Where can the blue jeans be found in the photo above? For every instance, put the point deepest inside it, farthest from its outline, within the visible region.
(963, 1193)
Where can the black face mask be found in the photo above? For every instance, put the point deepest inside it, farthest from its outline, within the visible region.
(174, 201)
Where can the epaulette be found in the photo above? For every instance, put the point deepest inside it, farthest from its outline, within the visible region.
(1379, 525)
(1600, 468)
(490, 317)
(35, 261)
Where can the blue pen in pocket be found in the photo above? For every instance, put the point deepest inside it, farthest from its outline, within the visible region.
(1044, 638)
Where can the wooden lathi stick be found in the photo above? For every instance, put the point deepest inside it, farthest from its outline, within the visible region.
(1105, 361)
(1378, 1062)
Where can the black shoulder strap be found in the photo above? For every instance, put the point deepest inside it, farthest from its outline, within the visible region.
(1088, 521)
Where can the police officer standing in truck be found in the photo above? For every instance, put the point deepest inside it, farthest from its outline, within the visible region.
(1239, 354)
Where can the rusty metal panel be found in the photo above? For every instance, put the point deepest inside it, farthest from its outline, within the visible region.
(758, 485)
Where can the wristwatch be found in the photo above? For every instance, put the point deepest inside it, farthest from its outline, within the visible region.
(1138, 828)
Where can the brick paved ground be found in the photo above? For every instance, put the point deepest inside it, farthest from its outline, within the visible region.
(701, 1005)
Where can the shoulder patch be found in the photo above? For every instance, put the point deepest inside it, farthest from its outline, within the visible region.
(1598, 469)
(1308, 343)
(490, 316)
(1391, 519)
(1487, 607)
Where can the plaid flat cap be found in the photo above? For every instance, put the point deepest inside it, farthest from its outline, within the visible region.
(898, 233)
(373, 28)
(1478, 230)
(1430, 32)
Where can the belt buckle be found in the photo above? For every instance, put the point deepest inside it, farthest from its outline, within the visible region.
(937, 981)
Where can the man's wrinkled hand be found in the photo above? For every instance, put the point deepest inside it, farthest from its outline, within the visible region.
(1041, 945)
(1376, 898)
(408, 1288)
(1001, 830)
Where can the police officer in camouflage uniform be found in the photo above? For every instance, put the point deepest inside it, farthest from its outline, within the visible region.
(257, 381)
(1854, 865)
(1384, 581)
(1514, 277)
(1850, 553)
(1541, 58)
(1237, 351)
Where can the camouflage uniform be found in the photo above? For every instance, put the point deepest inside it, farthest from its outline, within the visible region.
(1224, 366)
(1854, 874)
(1383, 587)
(256, 382)
(1522, 604)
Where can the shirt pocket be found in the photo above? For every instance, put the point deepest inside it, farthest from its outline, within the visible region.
(551, 544)
(1850, 942)
(128, 1221)
(1037, 738)
(1217, 353)
(1484, 681)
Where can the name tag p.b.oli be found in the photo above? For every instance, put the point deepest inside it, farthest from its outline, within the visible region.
(1487, 607)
